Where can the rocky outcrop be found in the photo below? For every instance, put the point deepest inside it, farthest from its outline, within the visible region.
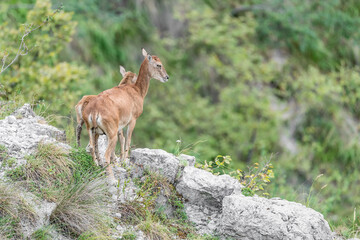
(216, 205)
(260, 218)
(22, 131)
(204, 193)
(42, 211)
(202, 188)
(213, 203)
(156, 160)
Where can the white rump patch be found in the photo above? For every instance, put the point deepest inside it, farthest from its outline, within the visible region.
(98, 120)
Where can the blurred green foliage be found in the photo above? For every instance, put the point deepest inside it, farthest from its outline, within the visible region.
(243, 83)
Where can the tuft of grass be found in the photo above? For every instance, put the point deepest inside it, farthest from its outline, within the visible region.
(311, 195)
(84, 163)
(49, 166)
(16, 174)
(82, 206)
(3, 153)
(12, 209)
(128, 235)
(93, 236)
(154, 228)
(350, 227)
(43, 233)
(73, 182)
(203, 237)
(144, 213)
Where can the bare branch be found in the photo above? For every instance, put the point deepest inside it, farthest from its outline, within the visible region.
(23, 49)
(4, 60)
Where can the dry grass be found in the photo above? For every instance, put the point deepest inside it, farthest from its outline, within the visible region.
(82, 206)
(13, 208)
(144, 213)
(155, 229)
(50, 165)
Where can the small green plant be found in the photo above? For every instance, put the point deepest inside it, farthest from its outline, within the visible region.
(8, 227)
(180, 148)
(9, 162)
(247, 192)
(128, 235)
(310, 195)
(218, 166)
(16, 174)
(254, 179)
(83, 163)
(202, 237)
(42, 233)
(3, 153)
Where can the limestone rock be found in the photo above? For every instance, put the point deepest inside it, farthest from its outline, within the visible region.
(206, 219)
(202, 188)
(261, 218)
(22, 131)
(155, 160)
(42, 211)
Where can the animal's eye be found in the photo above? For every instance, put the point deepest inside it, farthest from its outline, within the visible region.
(159, 66)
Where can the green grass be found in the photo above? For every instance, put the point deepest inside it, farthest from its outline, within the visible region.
(144, 213)
(128, 235)
(17, 100)
(82, 206)
(73, 182)
(12, 209)
(43, 233)
(3, 153)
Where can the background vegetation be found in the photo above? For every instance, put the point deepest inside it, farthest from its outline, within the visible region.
(248, 79)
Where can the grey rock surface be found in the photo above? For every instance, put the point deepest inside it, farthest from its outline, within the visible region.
(261, 218)
(202, 188)
(22, 131)
(205, 218)
(156, 160)
(42, 211)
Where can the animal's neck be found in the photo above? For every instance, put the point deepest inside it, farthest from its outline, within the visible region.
(143, 80)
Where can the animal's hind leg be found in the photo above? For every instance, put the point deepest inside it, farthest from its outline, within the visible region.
(122, 144)
(78, 132)
(92, 145)
(97, 149)
(112, 139)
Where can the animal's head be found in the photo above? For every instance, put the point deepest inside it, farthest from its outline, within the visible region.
(128, 77)
(155, 67)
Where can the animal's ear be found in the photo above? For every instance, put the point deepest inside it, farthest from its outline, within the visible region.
(122, 71)
(144, 53)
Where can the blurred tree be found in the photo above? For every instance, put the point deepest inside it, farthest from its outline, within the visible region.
(40, 75)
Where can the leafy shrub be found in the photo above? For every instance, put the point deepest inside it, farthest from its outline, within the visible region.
(254, 179)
